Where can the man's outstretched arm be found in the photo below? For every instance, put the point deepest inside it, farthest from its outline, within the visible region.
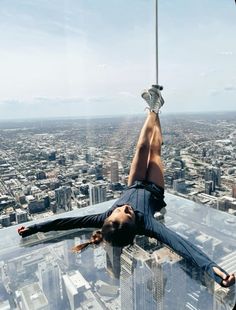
(95, 220)
(188, 251)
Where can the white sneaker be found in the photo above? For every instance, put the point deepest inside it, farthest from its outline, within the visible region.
(153, 98)
(146, 96)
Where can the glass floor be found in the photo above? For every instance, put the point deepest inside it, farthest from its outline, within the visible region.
(41, 272)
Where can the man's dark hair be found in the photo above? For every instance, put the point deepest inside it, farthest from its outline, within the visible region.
(118, 234)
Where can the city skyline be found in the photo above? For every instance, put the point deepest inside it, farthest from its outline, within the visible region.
(55, 165)
(20, 120)
(70, 58)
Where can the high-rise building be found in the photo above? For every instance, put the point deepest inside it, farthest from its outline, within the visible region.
(99, 171)
(208, 187)
(5, 220)
(49, 280)
(135, 278)
(234, 191)
(179, 185)
(32, 297)
(114, 172)
(166, 272)
(75, 287)
(149, 281)
(204, 152)
(97, 193)
(213, 174)
(36, 205)
(179, 173)
(21, 216)
(63, 198)
(113, 259)
(69, 256)
(226, 202)
(90, 155)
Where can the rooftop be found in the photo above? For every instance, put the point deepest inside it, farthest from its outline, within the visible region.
(158, 276)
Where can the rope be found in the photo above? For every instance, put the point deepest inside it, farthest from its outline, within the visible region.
(156, 27)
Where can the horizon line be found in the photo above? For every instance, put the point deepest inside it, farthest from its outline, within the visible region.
(67, 117)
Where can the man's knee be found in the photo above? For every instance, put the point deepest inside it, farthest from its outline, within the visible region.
(155, 150)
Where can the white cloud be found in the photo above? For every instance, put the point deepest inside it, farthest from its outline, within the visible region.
(226, 53)
(127, 94)
(214, 92)
(230, 88)
(102, 66)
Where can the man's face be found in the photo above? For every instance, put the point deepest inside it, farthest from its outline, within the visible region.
(123, 214)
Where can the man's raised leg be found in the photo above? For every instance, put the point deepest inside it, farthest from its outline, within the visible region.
(155, 172)
(149, 133)
(139, 166)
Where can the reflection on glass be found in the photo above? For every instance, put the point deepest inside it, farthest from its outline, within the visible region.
(41, 272)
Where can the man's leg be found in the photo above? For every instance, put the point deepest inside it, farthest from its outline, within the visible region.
(155, 171)
(139, 166)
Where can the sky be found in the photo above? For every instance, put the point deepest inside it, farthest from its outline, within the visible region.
(94, 57)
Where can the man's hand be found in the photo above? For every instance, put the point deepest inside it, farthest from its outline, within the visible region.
(24, 231)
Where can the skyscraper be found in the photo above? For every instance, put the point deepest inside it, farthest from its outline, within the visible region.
(213, 174)
(135, 278)
(97, 193)
(114, 172)
(166, 274)
(49, 280)
(63, 198)
(113, 259)
(32, 297)
(179, 185)
(21, 216)
(69, 256)
(151, 281)
(208, 187)
(75, 288)
(234, 191)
